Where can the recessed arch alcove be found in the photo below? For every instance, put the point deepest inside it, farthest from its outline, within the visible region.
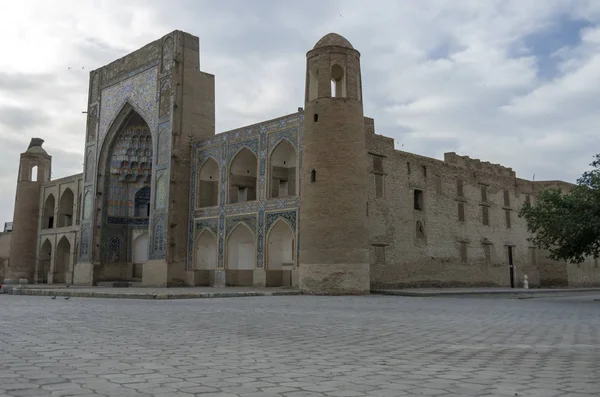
(242, 177)
(241, 256)
(280, 252)
(282, 167)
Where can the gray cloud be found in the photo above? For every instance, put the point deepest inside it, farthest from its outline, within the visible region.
(19, 119)
(437, 76)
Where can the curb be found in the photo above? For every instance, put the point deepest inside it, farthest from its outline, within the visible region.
(519, 293)
(160, 296)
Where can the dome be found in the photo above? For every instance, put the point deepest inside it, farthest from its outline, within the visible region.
(333, 39)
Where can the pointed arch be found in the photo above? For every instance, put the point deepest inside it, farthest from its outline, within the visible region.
(241, 248)
(282, 170)
(44, 260)
(140, 248)
(62, 261)
(207, 184)
(206, 250)
(65, 208)
(167, 54)
(280, 244)
(243, 171)
(48, 218)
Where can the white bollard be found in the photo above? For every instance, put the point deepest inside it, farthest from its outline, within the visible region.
(525, 282)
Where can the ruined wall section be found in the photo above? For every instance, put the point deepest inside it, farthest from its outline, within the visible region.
(459, 236)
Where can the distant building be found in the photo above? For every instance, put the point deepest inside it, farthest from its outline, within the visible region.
(8, 227)
(313, 199)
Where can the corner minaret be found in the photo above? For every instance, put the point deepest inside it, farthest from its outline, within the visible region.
(34, 170)
(334, 238)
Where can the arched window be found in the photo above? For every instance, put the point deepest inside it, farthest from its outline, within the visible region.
(338, 82)
(313, 176)
(48, 220)
(65, 208)
(34, 173)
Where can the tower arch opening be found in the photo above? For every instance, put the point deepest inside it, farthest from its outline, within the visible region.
(338, 82)
(282, 169)
(34, 174)
(208, 184)
(242, 177)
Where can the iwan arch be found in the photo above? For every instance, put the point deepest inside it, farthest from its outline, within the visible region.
(314, 199)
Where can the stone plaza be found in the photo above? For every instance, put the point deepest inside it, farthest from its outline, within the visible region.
(301, 346)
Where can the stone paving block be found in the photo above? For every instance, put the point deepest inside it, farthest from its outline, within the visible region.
(302, 346)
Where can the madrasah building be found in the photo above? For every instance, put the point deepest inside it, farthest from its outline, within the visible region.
(314, 200)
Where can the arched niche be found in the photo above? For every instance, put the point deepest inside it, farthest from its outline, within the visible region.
(282, 173)
(242, 177)
(140, 248)
(206, 251)
(65, 208)
(44, 260)
(241, 248)
(62, 261)
(48, 216)
(280, 245)
(208, 184)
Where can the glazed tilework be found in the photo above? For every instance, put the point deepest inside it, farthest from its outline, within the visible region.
(210, 224)
(248, 220)
(234, 149)
(115, 244)
(158, 239)
(87, 202)
(272, 217)
(139, 91)
(85, 241)
(260, 139)
(161, 192)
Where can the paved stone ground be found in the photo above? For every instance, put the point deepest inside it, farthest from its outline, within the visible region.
(301, 346)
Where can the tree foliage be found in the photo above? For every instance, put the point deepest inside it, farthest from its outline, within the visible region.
(567, 224)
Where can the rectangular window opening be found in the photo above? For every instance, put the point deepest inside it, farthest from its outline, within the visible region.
(507, 216)
(461, 212)
(485, 214)
(483, 193)
(459, 188)
(418, 200)
(506, 198)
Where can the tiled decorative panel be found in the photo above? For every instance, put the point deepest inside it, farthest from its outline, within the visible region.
(248, 220)
(115, 248)
(158, 239)
(87, 203)
(259, 215)
(139, 91)
(160, 201)
(85, 242)
(210, 224)
(289, 216)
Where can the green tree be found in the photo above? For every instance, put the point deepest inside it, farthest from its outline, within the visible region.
(567, 224)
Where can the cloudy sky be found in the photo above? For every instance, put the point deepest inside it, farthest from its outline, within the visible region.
(511, 82)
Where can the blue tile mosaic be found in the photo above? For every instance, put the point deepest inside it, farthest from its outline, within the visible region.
(260, 139)
(139, 91)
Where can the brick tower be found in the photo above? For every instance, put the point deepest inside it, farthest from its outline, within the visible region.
(334, 236)
(34, 169)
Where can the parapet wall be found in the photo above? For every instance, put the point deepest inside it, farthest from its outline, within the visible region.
(476, 164)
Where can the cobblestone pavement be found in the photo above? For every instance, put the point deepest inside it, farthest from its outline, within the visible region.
(301, 346)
